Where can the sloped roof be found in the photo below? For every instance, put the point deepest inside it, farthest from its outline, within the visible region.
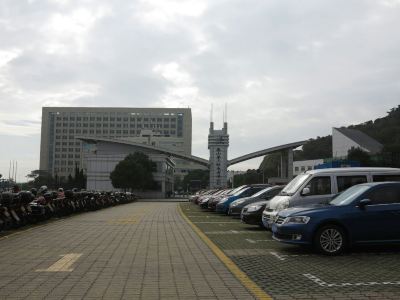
(362, 139)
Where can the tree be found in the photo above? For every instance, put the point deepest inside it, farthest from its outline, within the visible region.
(270, 165)
(357, 154)
(178, 183)
(250, 177)
(318, 148)
(40, 178)
(134, 172)
(200, 177)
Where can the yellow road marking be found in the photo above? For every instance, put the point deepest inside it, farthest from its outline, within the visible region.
(240, 275)
(64, 264)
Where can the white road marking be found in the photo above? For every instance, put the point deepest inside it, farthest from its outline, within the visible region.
(320, 282)
(251, 241)
(230, 232)
(280, 257)
(64, 264)
(214, 222)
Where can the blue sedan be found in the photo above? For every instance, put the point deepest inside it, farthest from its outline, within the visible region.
(363, 214)
(223, 205)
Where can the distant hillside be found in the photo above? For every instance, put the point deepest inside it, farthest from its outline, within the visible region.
(385, 130)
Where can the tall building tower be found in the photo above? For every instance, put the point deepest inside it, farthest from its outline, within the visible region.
(218, 142)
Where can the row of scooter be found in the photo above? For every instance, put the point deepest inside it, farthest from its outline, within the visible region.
(25, 207)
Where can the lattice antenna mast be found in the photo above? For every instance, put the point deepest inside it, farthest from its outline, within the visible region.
(211, 113)
(226, 113)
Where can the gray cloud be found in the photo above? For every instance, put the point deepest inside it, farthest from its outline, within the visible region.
(288, 70)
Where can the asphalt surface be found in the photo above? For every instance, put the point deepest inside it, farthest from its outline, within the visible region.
(292, 272)
(142, 250)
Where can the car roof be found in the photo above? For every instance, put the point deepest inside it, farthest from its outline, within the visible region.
(371, 184)
(353, 170)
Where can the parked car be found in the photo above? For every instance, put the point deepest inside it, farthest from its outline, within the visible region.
(203, 203)
(212, 203)
(321, 185)
(205, 194)
(223, 205)
(235, 208)
(252, 213)
(364, 214)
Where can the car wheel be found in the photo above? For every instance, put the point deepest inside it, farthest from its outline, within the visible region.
(330, 240)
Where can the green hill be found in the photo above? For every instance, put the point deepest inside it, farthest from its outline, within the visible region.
(385, 130)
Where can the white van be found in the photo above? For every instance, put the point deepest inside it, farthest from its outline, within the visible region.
(319, 186)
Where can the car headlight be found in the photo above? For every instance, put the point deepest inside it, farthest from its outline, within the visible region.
(252, 208)
(283, 205)
(296, 220)
(235, 203)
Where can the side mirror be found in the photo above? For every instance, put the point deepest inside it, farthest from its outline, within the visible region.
(305, 191)
(363, 203)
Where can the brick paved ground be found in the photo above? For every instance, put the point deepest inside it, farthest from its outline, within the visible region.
(134, 251)
(292, 272)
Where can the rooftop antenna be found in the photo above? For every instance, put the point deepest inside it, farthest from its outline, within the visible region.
(12, 171)
(226, 112)
(211, 113)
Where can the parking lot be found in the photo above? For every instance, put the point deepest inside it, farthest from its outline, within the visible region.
(291, 272)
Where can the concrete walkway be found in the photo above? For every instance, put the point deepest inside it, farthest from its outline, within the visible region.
(143, 250)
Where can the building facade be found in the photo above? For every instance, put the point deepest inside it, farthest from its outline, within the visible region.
(301, 166)
(343, 139)
(101, 157)
(61, 152)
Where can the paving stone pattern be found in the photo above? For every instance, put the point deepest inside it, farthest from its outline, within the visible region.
(142, 250)
(292, 272)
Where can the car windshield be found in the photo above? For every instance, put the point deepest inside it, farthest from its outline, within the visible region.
(234, 191)
(241, 191)
(261, 192)
(349, 195)
(294, 185)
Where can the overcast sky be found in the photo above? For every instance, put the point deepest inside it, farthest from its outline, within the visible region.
(288, 70)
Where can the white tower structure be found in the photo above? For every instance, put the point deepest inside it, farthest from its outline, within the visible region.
(218, 142)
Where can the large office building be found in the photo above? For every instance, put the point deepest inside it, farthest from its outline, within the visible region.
(61, 151)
